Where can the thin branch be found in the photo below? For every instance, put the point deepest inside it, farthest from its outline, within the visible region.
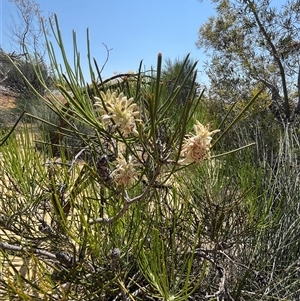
(222, 273)
(297, 110)
(105, 62)
(75, 159)
(275, 56)
(26, 250)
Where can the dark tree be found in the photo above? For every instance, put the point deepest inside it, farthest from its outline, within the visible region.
(13, 80)
(176, 72)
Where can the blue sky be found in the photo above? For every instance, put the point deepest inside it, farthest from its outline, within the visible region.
(135, 30)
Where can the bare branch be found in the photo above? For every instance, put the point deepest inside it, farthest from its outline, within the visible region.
(276, 57)
(27, 250)
(26, 32)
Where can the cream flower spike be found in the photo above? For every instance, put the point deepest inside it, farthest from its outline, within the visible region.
(196, 148)
(120, 110)
(107, 98)
(125, 173)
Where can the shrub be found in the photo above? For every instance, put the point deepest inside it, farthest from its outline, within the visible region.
(14, 65)
(141, 209)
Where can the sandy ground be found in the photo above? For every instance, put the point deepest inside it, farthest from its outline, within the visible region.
(7, 105)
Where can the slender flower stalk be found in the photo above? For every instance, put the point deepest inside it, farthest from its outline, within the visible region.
(118, 110)
(196, 148)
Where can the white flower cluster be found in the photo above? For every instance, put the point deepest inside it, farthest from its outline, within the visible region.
(125, 172)
(196, 148)
(118, 110)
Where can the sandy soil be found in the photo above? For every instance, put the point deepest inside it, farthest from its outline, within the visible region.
(7, 105)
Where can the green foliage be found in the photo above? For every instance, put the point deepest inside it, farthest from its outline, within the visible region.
(92, 231)
(252, 42)
(106, 210)
(14, 80)
(174, 74)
